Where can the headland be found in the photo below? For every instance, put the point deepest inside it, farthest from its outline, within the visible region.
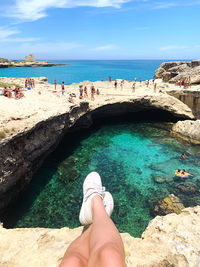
(28, 62)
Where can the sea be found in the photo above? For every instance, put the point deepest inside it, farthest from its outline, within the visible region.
(76, 71)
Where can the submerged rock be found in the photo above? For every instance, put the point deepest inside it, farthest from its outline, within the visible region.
(160, 178)
(170, 204)
(186, 189)
(68, 171)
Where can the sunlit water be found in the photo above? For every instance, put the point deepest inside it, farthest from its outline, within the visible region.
(77, 71)
(128, 156)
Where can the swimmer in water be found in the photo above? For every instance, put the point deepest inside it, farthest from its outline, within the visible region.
(183, 156)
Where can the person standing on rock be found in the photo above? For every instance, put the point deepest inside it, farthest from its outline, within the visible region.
(133, 87)
(154, 87)
(115, 84)
(55, 83)
(85, 92)
(63, 88)
(100, 245)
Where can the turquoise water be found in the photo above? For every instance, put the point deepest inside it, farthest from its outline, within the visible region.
(129, 157)
(92, 70)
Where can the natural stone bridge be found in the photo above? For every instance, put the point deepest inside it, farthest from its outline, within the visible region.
(22, 154)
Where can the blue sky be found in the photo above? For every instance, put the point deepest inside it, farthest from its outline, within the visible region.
(100, 29)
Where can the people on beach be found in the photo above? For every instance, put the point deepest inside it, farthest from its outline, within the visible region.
(121, 84)
(63, 87)
(100, 245)
(135, 79)
(80, 91)
(98, 92)
(92, 92)
(147, 83)
(102, 79)
(55, 84)
(85, 92)
(7, 92)
(29, 83)
(115, 84)
(110, 79)
(70, 99)
(10, 93)
(133, 87)
(154, 87)
(140, 79)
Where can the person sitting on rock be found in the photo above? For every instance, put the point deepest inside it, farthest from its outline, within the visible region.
(100, 245)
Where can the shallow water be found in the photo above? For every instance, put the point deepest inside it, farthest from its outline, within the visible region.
(128, 156)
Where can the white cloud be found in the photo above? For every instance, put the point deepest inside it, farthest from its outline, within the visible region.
(31, 10)
(105, 47)
(163, 5)
(172, 47)
(5, 32)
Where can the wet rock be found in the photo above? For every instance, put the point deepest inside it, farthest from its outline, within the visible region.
(186, 189)
(170, 204)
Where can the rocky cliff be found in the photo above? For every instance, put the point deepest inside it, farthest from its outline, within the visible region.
(22, 154)
(172, 240)
(174, 71)
(189, 130)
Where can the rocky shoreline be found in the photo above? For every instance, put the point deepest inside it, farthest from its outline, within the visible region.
(28, 64)
(177, 70)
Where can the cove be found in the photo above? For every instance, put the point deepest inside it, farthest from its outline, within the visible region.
(128, 154)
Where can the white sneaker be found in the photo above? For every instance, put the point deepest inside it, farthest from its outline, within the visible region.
(92, 186)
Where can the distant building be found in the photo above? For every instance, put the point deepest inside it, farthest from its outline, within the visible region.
(30, 58)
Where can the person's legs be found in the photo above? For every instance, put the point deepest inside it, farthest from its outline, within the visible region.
(101, 245)
(106, 246)
(77, 253)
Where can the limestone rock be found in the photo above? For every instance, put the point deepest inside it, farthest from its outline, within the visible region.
(188, 129)
(170, 204)
(174, 71)
(172, 240)
(4, 60)
(30, 58)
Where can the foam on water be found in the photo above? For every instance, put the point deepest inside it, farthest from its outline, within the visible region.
(127, 156)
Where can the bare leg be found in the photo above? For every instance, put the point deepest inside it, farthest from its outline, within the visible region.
(77, 254)
(106, 246)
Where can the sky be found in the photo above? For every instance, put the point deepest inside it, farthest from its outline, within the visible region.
(100, 29)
